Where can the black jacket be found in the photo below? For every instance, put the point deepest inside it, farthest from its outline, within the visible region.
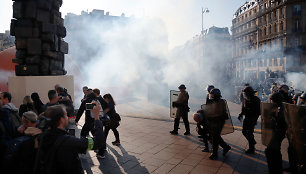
(82, 108)
(59, 151)
(38, 107)
(26, 107)
(251, 108)
(102, 102)
(286, 97)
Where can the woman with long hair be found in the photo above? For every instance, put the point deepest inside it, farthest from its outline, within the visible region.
(114, 118)
(38, 104)
(26, 106)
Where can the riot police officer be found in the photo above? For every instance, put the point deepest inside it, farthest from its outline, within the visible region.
(295, 98)
(209, 88)
(302, 100)
(217, 122)
(182, 110)
(284, 90)
(251, 110)
(279, 127)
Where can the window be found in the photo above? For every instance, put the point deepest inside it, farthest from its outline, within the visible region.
(275, 28)
(297, 26)
(270, 30)
(281, 13)
(297, 10)
(270, 17)
(281, 26)
(275, 15)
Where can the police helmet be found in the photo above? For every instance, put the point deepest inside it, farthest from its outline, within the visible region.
(215, 91)
(182, 86)
(296, 96)
(210, 87)
(249, 90)
(303, 96)
(284, 88)
(277, 97)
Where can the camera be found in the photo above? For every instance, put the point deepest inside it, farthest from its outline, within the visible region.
(90, 106)
(71, 132)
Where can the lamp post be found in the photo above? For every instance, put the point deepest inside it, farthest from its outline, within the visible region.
(204, 11)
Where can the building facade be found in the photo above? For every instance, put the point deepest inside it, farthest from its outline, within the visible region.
(6, 40)
(212, 51)
(269, 39)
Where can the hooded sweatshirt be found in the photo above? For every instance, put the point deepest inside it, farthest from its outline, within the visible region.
(13, 113)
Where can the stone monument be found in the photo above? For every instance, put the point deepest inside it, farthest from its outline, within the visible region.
(39, 31)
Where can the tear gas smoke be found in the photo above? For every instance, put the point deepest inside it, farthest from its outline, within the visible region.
(129, 58)
(298, 80)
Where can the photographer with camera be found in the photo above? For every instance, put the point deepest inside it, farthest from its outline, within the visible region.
(53, 100)
(89, 120)
(58, 151)
(65, 99)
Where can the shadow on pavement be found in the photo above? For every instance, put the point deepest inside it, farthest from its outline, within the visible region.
(127, 162)
(87, 162)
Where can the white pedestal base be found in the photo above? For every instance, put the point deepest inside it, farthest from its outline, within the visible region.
(20, 86)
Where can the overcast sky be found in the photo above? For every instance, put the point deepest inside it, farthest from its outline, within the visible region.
(182, 17)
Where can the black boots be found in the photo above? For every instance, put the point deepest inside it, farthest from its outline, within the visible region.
(226, 149)
(173, 132)
(251, 149)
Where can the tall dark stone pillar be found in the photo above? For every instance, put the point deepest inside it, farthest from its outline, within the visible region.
(39, 31)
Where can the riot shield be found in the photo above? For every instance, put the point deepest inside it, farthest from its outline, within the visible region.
(217, 110)
(173, 97)
(228, 126)
(268, 113)
(295, 117)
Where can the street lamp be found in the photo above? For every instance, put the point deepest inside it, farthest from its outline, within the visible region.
(204, 11)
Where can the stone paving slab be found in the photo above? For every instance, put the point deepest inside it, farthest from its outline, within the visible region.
(148, 147)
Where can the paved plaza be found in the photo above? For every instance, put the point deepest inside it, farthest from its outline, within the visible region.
(148, 147)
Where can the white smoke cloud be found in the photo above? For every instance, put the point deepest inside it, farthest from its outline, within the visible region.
(131, 57)
(298, 80)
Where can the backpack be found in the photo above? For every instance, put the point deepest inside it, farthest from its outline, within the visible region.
(117, 116)
(15, 119)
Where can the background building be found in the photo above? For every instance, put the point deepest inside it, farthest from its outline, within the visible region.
(269, 39)
(209, 53)
(6, 40)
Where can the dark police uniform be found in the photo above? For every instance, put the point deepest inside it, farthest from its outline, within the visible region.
(182, 111)
(251, 110)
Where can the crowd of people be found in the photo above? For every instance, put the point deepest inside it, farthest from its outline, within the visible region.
(36, 137)
(211, 119)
